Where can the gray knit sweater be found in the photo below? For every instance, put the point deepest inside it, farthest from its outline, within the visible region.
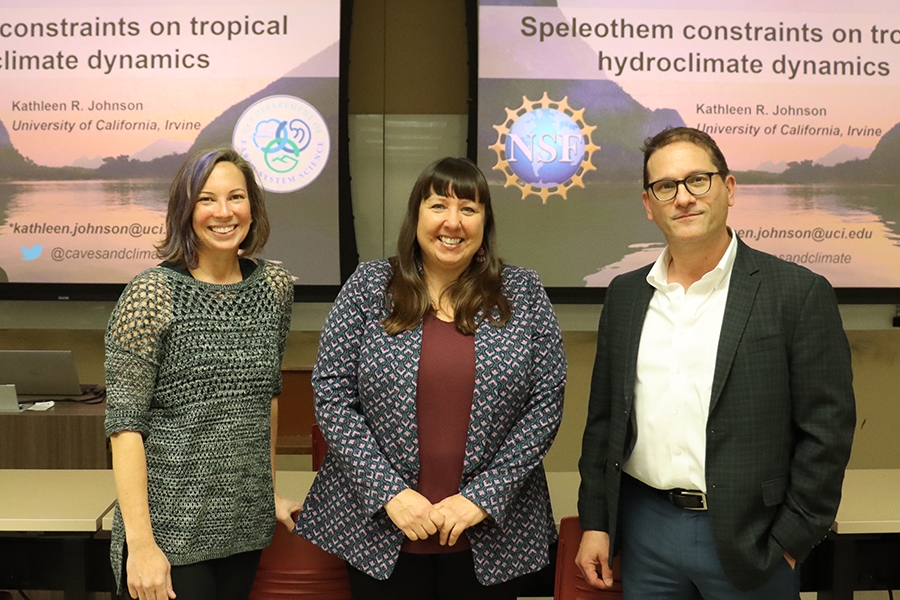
(193, 367)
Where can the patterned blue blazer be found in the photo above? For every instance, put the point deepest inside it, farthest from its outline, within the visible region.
(365, 395)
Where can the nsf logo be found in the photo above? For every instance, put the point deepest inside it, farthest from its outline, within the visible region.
(544, 147)
(285, 139)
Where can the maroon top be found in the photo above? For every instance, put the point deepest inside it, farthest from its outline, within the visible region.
(446, 384)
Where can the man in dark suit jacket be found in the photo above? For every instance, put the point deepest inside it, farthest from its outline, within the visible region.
(721, 412)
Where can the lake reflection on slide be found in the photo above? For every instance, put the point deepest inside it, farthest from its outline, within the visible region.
(80, 231)
(848, 234)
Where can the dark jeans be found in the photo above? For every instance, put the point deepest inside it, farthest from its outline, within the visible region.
(668, 553)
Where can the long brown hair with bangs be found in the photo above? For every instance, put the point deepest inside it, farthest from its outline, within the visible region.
(479, 288)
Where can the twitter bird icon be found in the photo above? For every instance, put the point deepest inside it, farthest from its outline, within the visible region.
(31, 253)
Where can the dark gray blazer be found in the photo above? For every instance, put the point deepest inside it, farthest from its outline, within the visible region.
(781, 415)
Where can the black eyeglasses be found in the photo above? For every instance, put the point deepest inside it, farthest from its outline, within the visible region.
(696, 184)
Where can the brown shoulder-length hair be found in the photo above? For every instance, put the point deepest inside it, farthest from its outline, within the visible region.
(181, 244)
(479, 288)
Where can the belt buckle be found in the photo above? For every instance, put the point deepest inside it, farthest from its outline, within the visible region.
(697, 494)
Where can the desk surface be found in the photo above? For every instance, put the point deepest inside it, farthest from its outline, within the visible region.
(295, 485)
(290, 484)
(563, 493)
(55, 500)
(870, 502)
(63, 407)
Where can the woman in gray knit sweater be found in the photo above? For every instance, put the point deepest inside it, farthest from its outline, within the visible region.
(193, 368)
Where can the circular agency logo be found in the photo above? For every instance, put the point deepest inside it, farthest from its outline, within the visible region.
(285, 139)
(544, 147)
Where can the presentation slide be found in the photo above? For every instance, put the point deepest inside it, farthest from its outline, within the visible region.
(101, 102)
(801, 96)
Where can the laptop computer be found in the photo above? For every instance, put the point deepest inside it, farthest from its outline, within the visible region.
(9, 402)
(45, 373)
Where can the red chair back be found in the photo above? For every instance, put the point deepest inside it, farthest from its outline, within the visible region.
(319, 447)
(570, 583)
(292, 568)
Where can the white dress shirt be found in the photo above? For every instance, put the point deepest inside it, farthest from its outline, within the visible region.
(675, 366)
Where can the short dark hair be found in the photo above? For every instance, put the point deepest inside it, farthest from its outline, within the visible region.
(479, 287)
(181, 244)
(671, 135)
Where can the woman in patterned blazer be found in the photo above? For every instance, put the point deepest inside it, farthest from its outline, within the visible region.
(439, 388)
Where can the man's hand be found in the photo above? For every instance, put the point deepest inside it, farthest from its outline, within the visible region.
(790, 559)
(593, 559)
(413, 514)
(149, 573)
(459, 513)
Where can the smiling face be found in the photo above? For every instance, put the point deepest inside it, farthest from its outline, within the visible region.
(450, 231)
(688, 220)
(222, 214)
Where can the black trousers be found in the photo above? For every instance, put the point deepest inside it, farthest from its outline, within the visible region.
(429, 577)
(228, 578)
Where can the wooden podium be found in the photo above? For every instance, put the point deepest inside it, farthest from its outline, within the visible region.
(68, 436)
